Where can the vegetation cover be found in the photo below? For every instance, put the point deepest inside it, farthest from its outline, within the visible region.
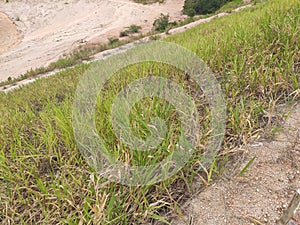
(193, 7)
(43, 177)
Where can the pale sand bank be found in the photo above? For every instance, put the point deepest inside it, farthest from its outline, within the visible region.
(51, 28)
(9, 34)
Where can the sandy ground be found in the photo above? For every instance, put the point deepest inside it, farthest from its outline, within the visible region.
(263, 195)
(10, 36)
(50, 28)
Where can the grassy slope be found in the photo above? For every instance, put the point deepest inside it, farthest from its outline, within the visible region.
(43, 176)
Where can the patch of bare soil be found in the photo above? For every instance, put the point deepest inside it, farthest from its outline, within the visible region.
(54, 27)
(263, 194)
(10, 36)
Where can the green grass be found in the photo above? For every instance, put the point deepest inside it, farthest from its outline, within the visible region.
(229, 6)
(45, 180)
(132, 29)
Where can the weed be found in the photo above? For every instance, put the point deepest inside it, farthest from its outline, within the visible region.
(113, 41)
(161, 23)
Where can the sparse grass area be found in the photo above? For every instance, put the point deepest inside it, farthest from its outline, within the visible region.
(43, 177)
(76, 57)
(82, 54)
(133, 29)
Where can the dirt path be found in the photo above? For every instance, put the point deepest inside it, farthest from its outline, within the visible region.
(262, 196)
(52, 27)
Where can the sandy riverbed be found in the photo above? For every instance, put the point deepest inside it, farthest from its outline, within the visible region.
(40, 31)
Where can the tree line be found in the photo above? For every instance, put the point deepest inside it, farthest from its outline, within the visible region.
(193, 7)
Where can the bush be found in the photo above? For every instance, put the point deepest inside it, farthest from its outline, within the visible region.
(190, 12)
(161, 23)
(131, 30)
(124, 33)
(134, 29)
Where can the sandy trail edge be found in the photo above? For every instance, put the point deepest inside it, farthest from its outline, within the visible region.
(262, 196)
(123, 48)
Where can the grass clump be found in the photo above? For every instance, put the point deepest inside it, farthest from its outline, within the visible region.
(163, 23)
(43, 177)
(130, 30)
(113, 40)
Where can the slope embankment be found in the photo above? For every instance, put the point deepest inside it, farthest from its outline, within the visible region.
(54, 27)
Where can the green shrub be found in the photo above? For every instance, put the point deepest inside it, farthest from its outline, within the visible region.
(131, 30)
(161, 23)
(124, 33)
(190, 12)
(192, 7)
(134, 29)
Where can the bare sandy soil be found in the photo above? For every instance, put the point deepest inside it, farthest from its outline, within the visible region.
(260, 197)
(50, 28)
(10, 36)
